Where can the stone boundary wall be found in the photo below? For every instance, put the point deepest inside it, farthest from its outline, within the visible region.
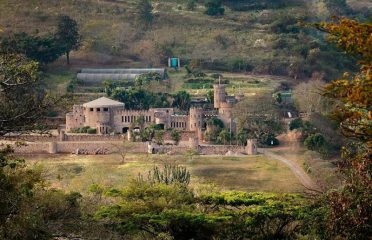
(185, 135)
(32, 148)
(201, 149)
(83, 138)
(71, 147)
(31, 138)
(220, 149)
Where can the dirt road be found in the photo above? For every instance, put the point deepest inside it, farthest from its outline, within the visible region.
(296, 169)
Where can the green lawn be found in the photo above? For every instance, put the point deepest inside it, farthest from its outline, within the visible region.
(250, 173)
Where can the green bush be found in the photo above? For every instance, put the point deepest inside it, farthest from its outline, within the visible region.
(317, 142)
(214, 7)
(174, 210)
(91, 130)
(296, 124)
(191, 5)
(268, 139)
(176, 136)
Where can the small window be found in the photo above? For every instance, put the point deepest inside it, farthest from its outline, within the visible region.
(105, 109)
(91, 109)
(98, 109)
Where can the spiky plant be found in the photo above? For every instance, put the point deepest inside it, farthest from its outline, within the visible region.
(170, 173)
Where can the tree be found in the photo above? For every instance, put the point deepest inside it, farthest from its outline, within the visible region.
(214, 127)
(182, 100)
(27, 208)
(191, 5)
(41, 49)
(214, 7)
(159, 137)
(338, 7)
(316, 142)
(144, 12)
(260, 116)
(348, 210)
(140, 99)
(176, 136)
(308, 97)
(242, 137)
(296, 124)
(23, 101)
(146, 78)
(67, 35)
(224, 136)
(147, 134)
(210, 96)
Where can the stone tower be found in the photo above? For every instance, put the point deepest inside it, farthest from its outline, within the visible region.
(251, 147)
(219, 95)
(196, 119)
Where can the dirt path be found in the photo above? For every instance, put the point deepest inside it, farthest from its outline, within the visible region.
(296, 169)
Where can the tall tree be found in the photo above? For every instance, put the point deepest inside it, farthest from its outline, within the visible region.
(260, 116)
(182, 100)
(67, 35)
(308, 97)
(41, 49)
(144, 12)
(349, 208)
(23, 101)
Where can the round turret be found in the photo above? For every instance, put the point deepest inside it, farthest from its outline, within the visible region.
(196, 118)
(219, 95)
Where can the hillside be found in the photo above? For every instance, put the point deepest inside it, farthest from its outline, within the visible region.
(260, 39)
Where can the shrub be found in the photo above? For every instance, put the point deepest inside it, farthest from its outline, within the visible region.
(91, 130)
(191, 4)
(214, 8)
(296, 124)
(173, 210)
(176, 136)
(216, 75)
(318, 143)
(159, 137)
(268, 139)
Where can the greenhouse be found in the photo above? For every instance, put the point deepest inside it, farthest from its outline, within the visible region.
(93, 75)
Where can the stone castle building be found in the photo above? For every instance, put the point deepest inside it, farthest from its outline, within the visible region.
(109, 116)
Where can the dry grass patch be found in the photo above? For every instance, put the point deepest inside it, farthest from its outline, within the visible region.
(77, 173)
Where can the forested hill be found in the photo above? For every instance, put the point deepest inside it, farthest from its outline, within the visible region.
(259, 36)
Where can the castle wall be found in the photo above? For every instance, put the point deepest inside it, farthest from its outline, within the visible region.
(75, 119)
(124, 119)
(179, 122)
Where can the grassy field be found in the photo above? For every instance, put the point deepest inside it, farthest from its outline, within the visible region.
(322, 171)
(251, 173)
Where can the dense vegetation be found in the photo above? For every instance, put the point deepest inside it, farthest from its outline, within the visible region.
(162, 205)
(258, 36)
